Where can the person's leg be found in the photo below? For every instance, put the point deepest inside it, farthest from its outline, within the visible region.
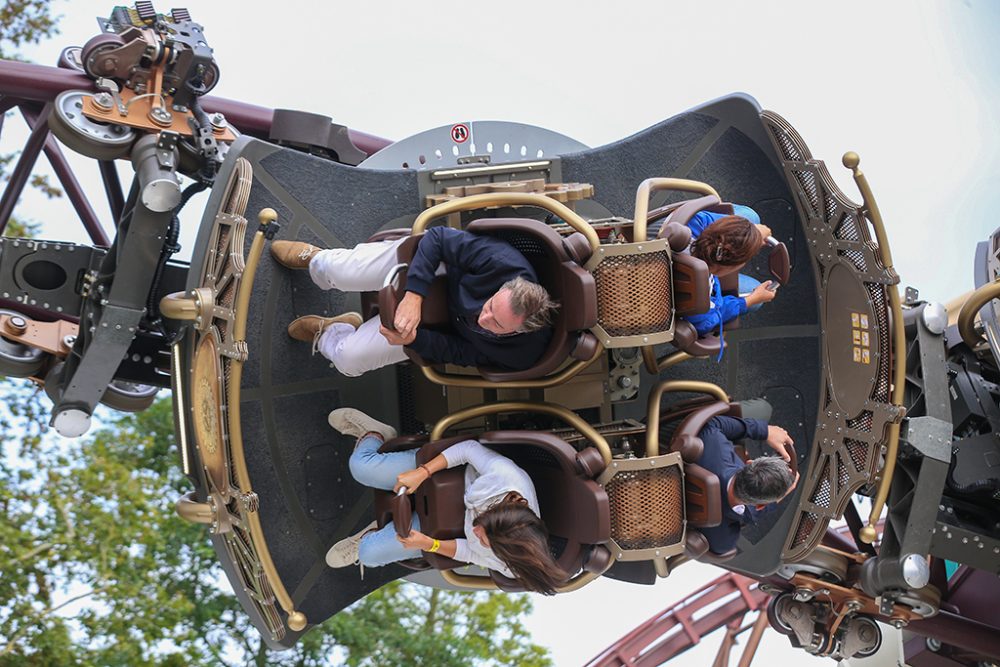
(756, 408)
(747, 285)
(376, 469)
(379, 471)
(357, 352)
(362, 268)
(380, 547)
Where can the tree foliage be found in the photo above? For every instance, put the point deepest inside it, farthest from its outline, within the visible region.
(24, 22)
(96, 568)
(99, 570)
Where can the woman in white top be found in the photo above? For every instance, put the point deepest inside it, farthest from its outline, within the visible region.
(503, 531)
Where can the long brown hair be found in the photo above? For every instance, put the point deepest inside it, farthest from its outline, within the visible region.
(729, 241)
(519, 538)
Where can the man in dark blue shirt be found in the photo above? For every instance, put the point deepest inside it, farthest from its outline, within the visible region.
(499, 313)
(747, 488)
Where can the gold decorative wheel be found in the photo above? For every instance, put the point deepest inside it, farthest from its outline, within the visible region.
(206, 404)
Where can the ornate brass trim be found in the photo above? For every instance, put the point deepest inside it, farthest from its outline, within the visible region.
(604, 253)
(206, 404)
(296, 619)
(552, 409)
(196, 306)
(191, 510)
(218, 313)
(469, 581)
(654, 462)
(851, 160)
(853, 266)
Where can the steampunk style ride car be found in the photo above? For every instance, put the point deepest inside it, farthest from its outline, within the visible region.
(885, 396)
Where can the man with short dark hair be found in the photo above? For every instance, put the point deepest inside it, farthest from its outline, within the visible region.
(747, 488)
(499, 313)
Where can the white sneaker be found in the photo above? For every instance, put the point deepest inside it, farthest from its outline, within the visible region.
(345, 552)
(354, 422)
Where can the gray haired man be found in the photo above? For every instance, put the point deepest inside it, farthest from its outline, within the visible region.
(747, 488)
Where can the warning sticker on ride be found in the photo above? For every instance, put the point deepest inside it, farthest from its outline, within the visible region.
(460, 133)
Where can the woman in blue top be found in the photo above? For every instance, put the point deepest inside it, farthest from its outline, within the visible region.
(726, 243)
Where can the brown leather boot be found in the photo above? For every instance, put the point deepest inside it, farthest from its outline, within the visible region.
(293, 254)
(309, 327)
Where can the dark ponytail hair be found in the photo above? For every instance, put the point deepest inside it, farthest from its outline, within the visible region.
(729, 241)
(519, 538)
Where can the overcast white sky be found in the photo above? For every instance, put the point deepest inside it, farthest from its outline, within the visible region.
(912, 87)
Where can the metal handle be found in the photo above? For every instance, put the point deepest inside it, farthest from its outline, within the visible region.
(472, 202)
(653, 406)
(588, 431)
(393, 273)
(851, 161)
(651, 185)
(971, 308)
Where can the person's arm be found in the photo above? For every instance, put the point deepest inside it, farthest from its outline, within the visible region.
(483, 459)
(412, 479)
(470, 253)
(436, 347)
(730, 307)
(423, 266)
(737, 429)
(417, 540)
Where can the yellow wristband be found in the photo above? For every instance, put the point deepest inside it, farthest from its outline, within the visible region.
(435, 546)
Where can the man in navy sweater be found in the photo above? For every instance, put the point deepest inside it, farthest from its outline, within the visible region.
(499, 313)
(747, 488)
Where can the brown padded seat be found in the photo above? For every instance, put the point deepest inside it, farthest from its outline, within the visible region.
(677, 236)
(566, 281)
(692, 294)
(692, 291)
(702, 495)
(440, 516)
(682, 214)
(556, 262)
(575, 509)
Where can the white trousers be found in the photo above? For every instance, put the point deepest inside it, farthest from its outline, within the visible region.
(362, 268)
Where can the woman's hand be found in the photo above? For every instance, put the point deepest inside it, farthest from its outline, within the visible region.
(411, 479)
(408, 314)
(777, 438)
(761, 294)
(765, 231)
(416, 540)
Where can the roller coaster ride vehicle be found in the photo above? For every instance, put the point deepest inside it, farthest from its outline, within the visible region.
(882, 398)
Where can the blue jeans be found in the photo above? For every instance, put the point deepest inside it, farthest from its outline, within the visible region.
(747, 285)
(379, 471)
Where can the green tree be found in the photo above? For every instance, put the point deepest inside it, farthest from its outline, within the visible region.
(24, 22)
(99, 570)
